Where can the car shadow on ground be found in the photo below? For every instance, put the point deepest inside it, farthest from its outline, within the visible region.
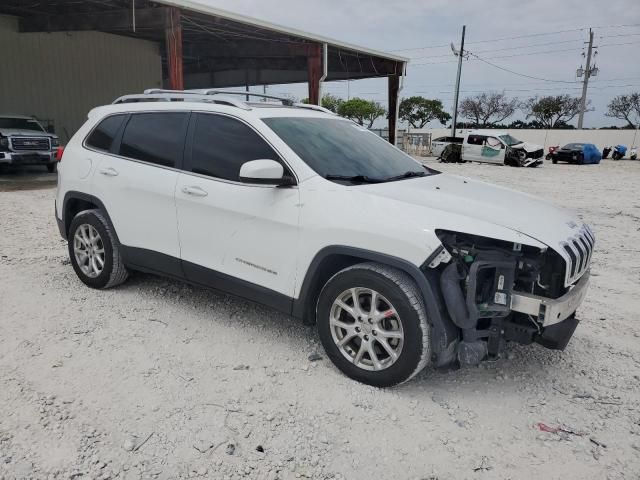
(517, 363)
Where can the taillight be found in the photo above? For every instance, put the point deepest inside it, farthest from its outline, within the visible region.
(59, 152)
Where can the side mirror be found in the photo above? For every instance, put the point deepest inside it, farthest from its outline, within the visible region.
(264, 172)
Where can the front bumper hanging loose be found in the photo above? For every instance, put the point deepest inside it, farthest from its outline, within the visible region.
(551, 311)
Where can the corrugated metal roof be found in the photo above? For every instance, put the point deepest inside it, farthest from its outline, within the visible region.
(217, 12)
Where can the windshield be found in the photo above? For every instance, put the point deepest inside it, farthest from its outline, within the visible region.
(340, 148)
(509, 140)
(20, 124)
(574, 146)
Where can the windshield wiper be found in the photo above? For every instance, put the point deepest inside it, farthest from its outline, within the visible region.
(355, 178)
(409, 174)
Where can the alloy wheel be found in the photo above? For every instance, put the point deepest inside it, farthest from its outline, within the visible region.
(88, 250)
(366, 328)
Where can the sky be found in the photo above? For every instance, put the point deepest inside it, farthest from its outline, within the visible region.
(552, 40)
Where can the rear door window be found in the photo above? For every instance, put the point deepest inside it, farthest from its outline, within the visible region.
(156, 137)
(476, 139)
(101, 138)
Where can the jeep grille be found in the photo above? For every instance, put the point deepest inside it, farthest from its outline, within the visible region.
(578, 252)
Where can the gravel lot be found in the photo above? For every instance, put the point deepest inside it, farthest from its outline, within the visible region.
(158, 379)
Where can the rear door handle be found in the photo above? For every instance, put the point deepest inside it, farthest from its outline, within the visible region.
(194, 191)
(109, 172)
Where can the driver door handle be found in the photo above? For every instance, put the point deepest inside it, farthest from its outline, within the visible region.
(194, 191)
(109, 172)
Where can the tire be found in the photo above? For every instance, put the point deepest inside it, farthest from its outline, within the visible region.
(113, 271)
(554, 161)
(402, 317)
(51, 167)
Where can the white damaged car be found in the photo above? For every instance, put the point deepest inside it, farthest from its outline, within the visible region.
(399, 266)
(493, 146)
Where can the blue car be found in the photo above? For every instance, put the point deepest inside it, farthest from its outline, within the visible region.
(579, 153)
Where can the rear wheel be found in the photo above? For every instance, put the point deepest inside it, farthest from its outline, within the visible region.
(94, 252)
(373, 325)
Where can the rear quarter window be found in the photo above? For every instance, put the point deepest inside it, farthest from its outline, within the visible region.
(103, 135)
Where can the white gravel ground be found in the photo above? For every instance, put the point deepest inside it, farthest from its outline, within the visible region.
(157, 379)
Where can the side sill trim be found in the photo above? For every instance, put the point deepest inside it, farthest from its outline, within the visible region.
(161, 264)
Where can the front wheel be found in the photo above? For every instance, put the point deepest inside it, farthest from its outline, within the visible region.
(373, 324)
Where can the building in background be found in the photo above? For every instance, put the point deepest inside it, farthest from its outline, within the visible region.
(63, 57)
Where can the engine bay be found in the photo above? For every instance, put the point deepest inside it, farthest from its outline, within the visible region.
(477, 282)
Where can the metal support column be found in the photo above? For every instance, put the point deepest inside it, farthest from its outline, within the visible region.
(394, 88)
(173, 40)
(314, 69)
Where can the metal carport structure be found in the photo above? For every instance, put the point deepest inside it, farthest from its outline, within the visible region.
(203, 47)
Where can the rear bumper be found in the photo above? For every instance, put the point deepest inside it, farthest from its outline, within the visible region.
(27, 158)
(548, 311)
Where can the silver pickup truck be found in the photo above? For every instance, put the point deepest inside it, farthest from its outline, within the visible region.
(24, 141)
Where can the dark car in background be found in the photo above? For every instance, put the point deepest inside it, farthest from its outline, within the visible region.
(578, 153)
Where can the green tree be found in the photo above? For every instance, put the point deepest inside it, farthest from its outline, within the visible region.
(625, 107)
(418, 111)
(330, 102)
(361, 111)
(552, 111)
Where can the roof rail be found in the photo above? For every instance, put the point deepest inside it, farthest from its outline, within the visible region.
(171, 95)
(311, 106)
(210, 95)
(213, 91)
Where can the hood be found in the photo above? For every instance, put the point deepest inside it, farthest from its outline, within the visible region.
(25, 133)
(527, 147)
(475, 200)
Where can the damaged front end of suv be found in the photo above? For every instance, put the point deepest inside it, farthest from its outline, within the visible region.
(496, 291)
(524, 155)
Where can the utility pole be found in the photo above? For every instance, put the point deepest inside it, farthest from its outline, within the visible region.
(460, 55)
(585, 83)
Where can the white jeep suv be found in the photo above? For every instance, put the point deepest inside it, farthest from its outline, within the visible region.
(292, 207)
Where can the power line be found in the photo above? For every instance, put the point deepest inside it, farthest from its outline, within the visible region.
(495, 39)
(555, 89)
(617, 44)
(542, 34)
(527, 36)
(519, 74)
(620, 35)
(544, 52)
(419, 48)
(596, 80)
(503, 49)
